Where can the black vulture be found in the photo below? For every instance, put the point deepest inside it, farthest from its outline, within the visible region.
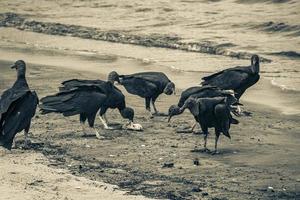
(17, 108)
(201, 92)
(78, 97)
(211, 113)
(148, 85)
(237, 78)
(116, 98)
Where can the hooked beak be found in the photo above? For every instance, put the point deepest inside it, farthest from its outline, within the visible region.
(14, 66)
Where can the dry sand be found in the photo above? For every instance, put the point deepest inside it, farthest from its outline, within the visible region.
(26, 175)
(261, 161)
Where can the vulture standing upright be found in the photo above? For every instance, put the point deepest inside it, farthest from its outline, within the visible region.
(201, 92)
(17, 108)
(211, 112)
(81, 97)
(238, 78)
(148, 85)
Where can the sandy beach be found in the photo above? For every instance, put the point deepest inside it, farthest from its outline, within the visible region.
(260, 162)
(185, 39)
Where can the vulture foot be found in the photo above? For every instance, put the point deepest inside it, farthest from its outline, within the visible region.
(98, 136)
(216, 152)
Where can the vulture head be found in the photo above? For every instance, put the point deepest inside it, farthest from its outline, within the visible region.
(173, 110)
(170, 88)
(255, 64)
(113, 76)
(20, 66)
(127, 113)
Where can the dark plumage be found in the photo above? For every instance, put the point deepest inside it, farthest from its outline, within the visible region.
(211, 113)
(202, 91)
(17, 108)
(73, 83)
(86, 98)
(198, 92)
(148, 85)
(238, 78)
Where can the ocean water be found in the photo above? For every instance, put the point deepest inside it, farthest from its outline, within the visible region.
(184, 38)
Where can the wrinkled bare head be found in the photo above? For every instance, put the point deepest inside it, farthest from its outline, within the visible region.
(20, 66)
(127, 113)
(173, 110)
(255, 64)
(113, 76)
(170, 88)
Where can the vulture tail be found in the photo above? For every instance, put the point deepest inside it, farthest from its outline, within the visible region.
(58, 104)
(223, 118)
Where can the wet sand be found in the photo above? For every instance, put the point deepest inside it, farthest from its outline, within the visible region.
(184, 68)
(261, 161)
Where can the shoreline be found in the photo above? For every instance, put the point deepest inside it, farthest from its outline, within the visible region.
(14, 20)
(263, 93)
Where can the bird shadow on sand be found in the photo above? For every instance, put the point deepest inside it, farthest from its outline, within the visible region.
(160, 114)
(221, 152)
(31, 145)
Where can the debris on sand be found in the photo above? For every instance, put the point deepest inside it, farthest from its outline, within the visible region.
(168, 165)
(271, 189)
(196, 189)
(184, 129)
(204, 194)
(196, 162)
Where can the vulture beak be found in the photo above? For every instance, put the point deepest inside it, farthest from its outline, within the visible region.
(14, 66)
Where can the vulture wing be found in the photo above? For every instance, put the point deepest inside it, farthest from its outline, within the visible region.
(17, 117)
(228, 79)
(139, 86)
(8, 97)
(81, 99)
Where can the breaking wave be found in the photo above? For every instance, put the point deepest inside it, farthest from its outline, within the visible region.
(153, 40)
(289, 54)
(281, 27)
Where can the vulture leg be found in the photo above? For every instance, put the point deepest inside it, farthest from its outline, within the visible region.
(82, 122)
(14, 145)
(193, 127)
(205, 132)
(205, 141)
(91, 120)
(104, 122)
(83, 128)
(153, 105)
(26, 140)
(153, 99)
(103, 119)
(147, 104)
(216, 142)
